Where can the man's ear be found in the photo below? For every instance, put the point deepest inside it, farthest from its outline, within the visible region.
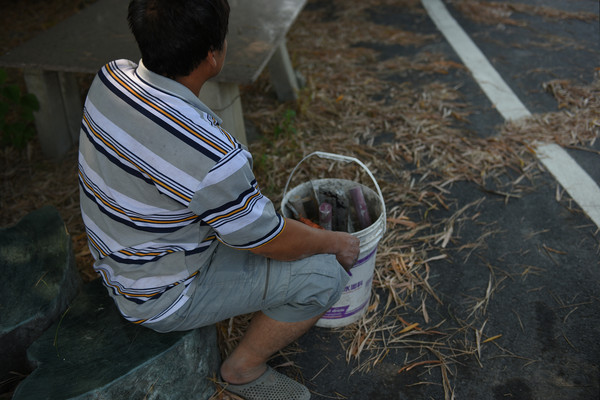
(211, 58)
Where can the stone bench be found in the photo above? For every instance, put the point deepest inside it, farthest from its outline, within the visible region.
(93, 353)
(86, 41)
(78, 345)
(38, 279)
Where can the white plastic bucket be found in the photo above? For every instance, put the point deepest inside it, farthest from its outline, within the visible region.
(357, 293)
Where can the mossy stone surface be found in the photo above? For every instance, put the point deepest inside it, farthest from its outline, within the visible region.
(93, 353)
(38, 279)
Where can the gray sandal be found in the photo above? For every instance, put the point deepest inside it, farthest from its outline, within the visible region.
(270, 386)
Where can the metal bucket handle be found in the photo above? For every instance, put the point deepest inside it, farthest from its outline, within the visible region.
(345, 159)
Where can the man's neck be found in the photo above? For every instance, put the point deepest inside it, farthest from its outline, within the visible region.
(192, 83)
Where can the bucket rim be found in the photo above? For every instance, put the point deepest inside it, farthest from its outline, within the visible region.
(345, 159)
(376, 225)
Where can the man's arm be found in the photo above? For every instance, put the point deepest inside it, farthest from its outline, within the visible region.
(298, 240)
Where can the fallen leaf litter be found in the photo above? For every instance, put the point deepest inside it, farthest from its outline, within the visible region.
(410, 139)
(347, 105)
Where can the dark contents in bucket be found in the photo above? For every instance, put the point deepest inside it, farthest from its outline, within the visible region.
(331, 208)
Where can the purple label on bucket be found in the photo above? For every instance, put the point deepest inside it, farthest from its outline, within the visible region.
(343, 312)
(364, 259)
(353, 287)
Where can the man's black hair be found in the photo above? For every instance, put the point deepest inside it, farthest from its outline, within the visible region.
(174, 36)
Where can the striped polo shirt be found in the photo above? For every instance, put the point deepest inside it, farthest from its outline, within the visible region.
(160, 183)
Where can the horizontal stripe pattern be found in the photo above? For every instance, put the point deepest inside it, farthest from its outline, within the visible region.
(145, 99)
(160, 182)
(143, 216)
(130, 154)
(137, 295)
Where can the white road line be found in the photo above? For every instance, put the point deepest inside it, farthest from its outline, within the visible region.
(567, 172)
(573, 178)
(500, 94)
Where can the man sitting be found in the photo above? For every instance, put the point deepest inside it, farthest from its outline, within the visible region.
(180, 232)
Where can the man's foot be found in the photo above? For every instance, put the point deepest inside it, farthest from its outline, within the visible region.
(270, 386)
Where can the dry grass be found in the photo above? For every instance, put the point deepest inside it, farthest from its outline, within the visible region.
(349, 102)
(496, 12)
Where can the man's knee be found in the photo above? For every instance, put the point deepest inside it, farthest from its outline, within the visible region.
(315, 286)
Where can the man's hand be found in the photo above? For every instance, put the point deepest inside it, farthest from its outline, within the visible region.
(299, 241)
(349, 248)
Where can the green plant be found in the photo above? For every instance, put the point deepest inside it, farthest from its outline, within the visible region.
(288, 124)
(16, 114)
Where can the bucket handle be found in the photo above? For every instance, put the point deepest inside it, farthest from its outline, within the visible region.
(345, 159)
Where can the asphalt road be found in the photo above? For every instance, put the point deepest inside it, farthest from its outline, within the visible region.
(540, 255)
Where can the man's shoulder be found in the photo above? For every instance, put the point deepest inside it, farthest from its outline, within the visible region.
(120, 65)
(141, 110)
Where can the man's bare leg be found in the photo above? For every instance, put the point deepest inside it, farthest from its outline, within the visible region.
(264, 337)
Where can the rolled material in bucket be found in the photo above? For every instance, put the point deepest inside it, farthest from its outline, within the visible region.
(355, 298)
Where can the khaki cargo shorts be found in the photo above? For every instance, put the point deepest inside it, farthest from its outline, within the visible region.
(239, 282)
